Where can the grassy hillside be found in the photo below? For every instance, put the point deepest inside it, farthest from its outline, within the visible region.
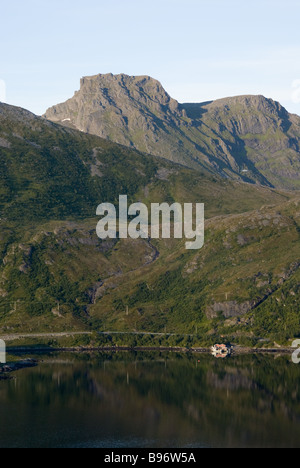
(56, 275)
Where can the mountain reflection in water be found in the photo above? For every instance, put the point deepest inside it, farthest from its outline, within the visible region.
(152, 400)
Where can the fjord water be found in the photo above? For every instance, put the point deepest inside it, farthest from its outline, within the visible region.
(152, 400)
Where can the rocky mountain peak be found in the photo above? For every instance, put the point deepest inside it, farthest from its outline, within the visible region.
(250, 103)
(130, 110)
(120, 93)
(130, 86)
(249, 138)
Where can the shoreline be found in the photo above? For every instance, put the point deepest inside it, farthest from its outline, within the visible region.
(9, 368)
(238, 350)
(6, 369)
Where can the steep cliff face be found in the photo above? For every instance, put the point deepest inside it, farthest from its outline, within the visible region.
(248, 138)
(256, 135)
(133, 111)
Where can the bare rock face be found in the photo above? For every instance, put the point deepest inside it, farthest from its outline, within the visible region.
(247, 138)
(128, 110)
(4, 143)
(229, 309)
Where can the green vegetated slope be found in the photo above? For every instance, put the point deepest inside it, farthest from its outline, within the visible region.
(249, 138)
(56, 275)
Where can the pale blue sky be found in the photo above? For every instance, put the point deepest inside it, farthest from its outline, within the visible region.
(199, 49)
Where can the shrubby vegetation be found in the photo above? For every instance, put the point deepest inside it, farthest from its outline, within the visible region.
(55, 275)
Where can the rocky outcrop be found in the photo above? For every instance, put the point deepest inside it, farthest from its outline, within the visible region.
(133, 111)
(229, 309)
(6, 369)
(4, 143)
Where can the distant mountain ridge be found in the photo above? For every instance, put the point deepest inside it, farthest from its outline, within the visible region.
(249, 138)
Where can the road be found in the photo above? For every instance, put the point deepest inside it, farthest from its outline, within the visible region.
(41, 335)
(16, 336)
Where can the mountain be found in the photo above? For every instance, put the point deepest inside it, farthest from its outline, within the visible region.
(57, 276)
(48, 171)
(247, 138)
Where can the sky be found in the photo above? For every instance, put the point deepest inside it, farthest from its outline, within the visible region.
(200, 50)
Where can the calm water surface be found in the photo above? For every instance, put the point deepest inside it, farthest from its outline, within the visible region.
(152, 400)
